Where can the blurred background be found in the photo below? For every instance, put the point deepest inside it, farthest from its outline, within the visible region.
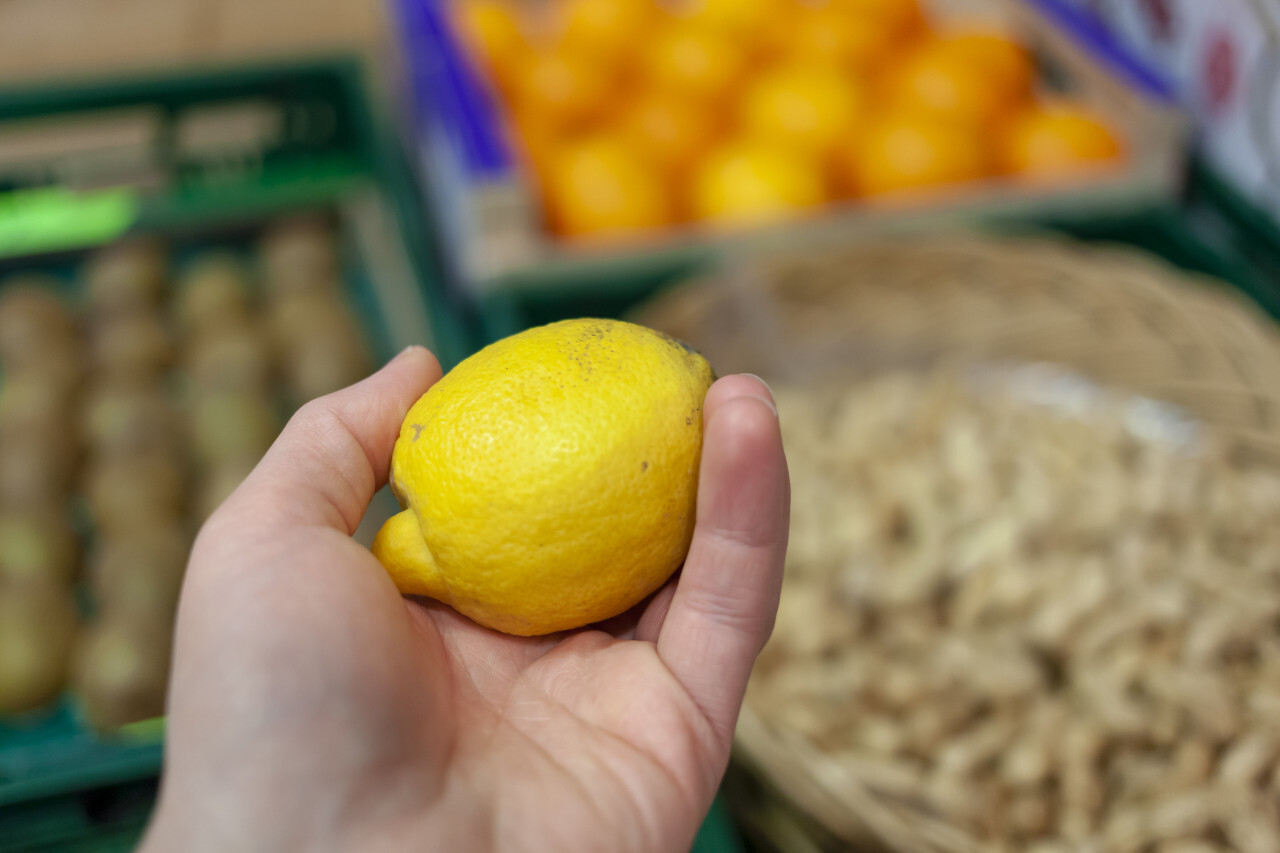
(1011, 266)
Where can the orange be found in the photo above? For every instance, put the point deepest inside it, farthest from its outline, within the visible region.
(1002, 60)
(745, 21)
(607, 28)
(1058, 140)
(535, 140)
(830, 35)
(912, 151)
(563, 87)
(805, 107)
(675, 132)
(897, 19)
(695, 63)
(491, 31)
(935, 80)
(603, 185)
(749, 182)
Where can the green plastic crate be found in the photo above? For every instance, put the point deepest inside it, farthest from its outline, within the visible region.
(61, 786)
(306, 139)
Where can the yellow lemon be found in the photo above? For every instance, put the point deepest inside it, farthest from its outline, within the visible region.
(491, 30)
(897, 19)
(603, 186)
(830, 35)
(740, 17)
(674, 132)
(749, 24)
(1058, 140)
(700, 65)
(563, 87)
(1006, 64)
(609, 28)
(915, 151)
(941, 79)
(549, 480)
(810, 107)
(750, 182)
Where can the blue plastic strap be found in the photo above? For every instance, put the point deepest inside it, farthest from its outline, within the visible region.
(448, 92)
(1092, 34)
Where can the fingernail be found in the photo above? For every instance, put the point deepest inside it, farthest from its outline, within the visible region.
(768, 401)
(410, 348)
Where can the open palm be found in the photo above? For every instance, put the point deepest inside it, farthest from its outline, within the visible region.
(314, 708)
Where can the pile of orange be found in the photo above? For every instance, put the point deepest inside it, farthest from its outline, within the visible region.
(639, 114)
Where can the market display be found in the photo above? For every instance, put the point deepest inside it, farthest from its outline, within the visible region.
(136, 393)
(637, 115)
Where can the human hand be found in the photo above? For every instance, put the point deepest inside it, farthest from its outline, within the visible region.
(312, 707)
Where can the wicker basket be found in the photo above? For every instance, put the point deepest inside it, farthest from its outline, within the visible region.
(1117, 316)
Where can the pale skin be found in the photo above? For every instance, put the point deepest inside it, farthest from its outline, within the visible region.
(313, 708)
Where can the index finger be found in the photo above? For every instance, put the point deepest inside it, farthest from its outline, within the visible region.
(727, 595)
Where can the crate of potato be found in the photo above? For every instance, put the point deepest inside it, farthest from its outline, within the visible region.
(570, 132)
(138, 390)
(1032, 598)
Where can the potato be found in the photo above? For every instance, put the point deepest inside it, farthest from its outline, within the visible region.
(36, 467)
(126, 278)
(37, 546)
(214, 290)
(300, 254)
(33, 319)
(130, 414)
(231, 425)
(135, 344)
(234, 355)
(121, 668)
(140, 570)
(37, 633)
(136, 489)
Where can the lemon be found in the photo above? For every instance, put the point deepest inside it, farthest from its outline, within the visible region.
(804, 105)
(607, 30)
(549, 480)
(741, 20)
(604, 185)
(701, 65)
(751, 181)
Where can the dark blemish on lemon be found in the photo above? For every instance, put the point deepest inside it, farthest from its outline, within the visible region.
(417, 430)
(644, 466)
(688, 421)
